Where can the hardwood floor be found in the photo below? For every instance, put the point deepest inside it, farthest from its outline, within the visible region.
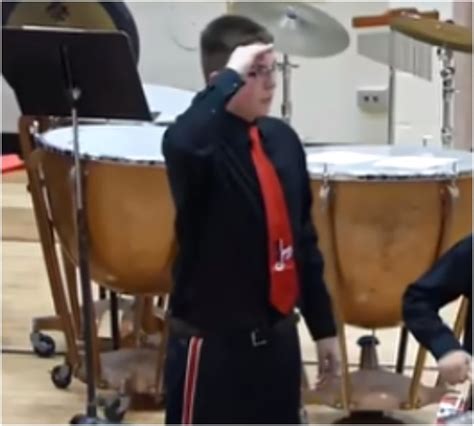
(28, 393)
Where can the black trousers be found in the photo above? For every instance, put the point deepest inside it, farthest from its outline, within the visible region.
(222, 380)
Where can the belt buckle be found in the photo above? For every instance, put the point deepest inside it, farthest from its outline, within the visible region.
(256, 339)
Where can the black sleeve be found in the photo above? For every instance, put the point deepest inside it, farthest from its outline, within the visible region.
(188, 143)
(315, 304)
(450, 278)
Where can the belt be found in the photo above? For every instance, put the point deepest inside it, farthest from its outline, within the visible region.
(259, 336)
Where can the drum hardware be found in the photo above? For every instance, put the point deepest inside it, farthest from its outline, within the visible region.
(452, 187)
(447, 75)
(325, 188)
(368, 354)
(286, 107)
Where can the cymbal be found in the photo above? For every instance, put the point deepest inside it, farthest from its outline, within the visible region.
(298, 28)
(432, 31)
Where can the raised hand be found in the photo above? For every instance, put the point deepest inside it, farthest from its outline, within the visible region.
(243, 57)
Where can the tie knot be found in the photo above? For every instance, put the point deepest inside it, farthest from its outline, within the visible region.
(254, 136)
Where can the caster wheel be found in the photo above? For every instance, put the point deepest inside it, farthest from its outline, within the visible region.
(82, 419)
(43, 345)
(61, 375)
(115, 409)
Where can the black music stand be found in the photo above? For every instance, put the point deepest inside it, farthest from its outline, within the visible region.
(75, 73)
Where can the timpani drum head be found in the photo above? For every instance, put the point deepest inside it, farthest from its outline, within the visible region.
(125, 144)
(387, 163)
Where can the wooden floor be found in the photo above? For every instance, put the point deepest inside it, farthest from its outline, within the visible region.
(28, 394)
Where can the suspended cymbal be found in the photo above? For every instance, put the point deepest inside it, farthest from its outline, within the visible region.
(299, 29)
(432, 31)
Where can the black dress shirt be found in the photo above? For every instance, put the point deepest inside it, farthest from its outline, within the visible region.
(449, 279)
(221, 274)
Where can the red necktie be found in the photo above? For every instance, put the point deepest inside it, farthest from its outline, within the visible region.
(283, 274)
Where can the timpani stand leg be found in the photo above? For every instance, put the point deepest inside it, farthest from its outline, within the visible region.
(70, 324)
(402, 350)
(62, 319)
(71, 282)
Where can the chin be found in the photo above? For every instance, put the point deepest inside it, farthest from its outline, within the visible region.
(264, 111)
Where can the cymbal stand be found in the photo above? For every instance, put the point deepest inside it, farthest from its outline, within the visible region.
(286, 107)
(391, 91)
(447, 75)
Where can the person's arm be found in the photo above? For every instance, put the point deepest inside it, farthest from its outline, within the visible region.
(188, 144)
(193, 133)
(442, 284)
(315, 305)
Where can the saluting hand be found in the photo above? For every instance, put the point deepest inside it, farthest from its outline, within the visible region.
(455, 367)
(329, 359)
(243, 57)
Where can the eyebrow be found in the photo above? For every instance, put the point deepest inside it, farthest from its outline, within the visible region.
(260, 66)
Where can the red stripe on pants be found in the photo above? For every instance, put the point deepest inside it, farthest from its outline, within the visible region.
(192, 368)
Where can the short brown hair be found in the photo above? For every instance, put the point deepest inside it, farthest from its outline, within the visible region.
(222, 35)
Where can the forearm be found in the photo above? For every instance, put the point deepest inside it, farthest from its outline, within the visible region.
(422, 319)
(318, 315)
(194, 131)
(445, 282)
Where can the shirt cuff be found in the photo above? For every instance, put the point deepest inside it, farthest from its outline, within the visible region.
(444, 343)
(228, 82)
(322, 328)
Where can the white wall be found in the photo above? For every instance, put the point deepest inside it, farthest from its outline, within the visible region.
(324, 90)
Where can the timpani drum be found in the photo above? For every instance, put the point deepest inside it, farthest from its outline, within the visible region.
(384, 215)
(127, 203)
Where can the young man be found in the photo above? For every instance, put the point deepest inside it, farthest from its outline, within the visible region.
(449, 279)
(247, 247)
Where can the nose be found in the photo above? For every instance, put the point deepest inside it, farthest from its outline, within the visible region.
(270, 81)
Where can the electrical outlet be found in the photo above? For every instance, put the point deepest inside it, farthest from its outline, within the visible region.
(373, 99)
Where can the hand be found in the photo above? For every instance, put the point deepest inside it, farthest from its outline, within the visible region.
(243, 57)
(455, 367)
(329, 358)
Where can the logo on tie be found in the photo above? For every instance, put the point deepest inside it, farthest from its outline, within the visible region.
(284, 256)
